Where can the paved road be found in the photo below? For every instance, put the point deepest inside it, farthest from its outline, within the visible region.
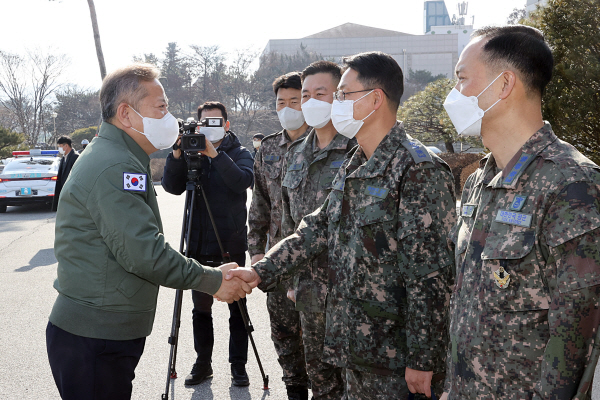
(27, 271)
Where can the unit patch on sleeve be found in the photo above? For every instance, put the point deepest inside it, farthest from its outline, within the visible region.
(134, 182)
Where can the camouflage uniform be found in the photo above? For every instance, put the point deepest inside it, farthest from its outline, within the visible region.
(524, 313)
(309, 172)
(385, 226)
(265, 217)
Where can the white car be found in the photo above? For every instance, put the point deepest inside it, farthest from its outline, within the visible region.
(29, 178)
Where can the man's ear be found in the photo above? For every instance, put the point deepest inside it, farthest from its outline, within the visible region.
(122, 116)
(226, 126)
(379, 98)
(509, 80)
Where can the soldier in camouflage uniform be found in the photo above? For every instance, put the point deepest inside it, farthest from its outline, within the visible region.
(309, 167)
(524, 314)
(386, 226)
(264, 218)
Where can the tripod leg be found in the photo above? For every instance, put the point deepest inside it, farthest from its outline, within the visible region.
(173, 339)
(250, 329)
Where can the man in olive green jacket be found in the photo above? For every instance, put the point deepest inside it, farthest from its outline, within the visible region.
(112, 255)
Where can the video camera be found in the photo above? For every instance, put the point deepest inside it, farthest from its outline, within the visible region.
(193, 142)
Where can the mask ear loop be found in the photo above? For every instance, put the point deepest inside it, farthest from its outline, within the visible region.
(363, 98)
(488, 86)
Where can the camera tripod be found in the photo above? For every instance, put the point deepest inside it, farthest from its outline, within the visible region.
(192, 183)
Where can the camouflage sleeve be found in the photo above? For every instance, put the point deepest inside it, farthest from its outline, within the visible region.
(291, 254)
(427, 209)
(287, 223)
(259, 215)
(572, 233)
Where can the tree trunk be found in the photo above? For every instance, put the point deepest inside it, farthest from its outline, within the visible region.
(97, 39)
(449, 146)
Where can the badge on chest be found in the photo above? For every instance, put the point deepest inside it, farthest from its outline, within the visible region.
(502, 278)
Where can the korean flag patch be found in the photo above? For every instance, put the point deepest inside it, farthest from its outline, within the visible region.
(134, 182)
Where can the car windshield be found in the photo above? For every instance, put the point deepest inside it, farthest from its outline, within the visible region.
(31, 164)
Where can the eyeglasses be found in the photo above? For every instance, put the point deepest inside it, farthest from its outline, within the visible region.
(340, 95)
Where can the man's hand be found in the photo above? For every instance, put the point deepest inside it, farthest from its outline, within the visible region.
(256, 258)
(210, 150)
(247, 274)
(291, 294)
(418, 381)
(232, 289)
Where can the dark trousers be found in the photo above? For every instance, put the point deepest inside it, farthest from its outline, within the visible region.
(203, 323)
(94, 369)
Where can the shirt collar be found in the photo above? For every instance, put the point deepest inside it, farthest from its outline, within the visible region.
(509, 177)
(360, 167)
(114, 134)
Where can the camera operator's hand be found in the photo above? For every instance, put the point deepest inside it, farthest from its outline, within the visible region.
(247, 274)
(232, 289)
(177, 153)
(210, 150)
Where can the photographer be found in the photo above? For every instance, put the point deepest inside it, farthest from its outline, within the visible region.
(226, 173)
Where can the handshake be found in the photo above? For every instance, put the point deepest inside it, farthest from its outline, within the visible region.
(237, 282)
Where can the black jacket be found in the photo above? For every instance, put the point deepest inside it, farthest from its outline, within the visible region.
(62, 176)
(225, 179)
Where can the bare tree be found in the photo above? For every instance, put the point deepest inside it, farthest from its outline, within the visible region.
(97, 39)
(26, 84)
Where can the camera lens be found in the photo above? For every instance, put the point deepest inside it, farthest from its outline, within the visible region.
(194, 142)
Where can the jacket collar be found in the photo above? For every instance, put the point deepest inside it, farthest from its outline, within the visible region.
(360, 167)
(285, 138)
(114, 134)
(510, 175)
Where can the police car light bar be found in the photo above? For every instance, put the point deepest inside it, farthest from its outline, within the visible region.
(35, 152)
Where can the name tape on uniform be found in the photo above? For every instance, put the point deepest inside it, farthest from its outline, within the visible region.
(271, 158)
(337, 164)
(295, 167)
(134, 182)
(514, 218)
(377, 192)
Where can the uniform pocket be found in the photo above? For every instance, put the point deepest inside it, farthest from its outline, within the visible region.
(292, 179)
(379, 339)
(510, 253)
(273, 171)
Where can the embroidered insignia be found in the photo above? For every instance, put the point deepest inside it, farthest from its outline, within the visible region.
(514, 218)
(295, 167)
(468, 210)
(518, 168)
(339, 185)
(337, 164)
(134, 182)
(377, 192)
(517, 203)
(502, 278)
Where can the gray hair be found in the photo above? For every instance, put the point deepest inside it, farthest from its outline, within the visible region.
(124, 86)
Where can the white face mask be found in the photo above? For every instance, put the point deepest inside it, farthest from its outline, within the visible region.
(256, 144)
(161, 133)
(290, 119)
(342, 116)
(213, 133)
(61, 150)
(317, 113)
(464, 112)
